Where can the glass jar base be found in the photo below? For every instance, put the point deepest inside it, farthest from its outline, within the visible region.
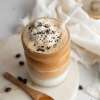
(50, 82)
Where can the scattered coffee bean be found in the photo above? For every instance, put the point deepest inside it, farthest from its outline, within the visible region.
(80, 87)
(20, 78)
(21, 63)
(18, 55)
(25, 81)
(7, 89)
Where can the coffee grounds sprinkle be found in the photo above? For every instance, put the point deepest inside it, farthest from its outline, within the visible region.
(45, 36)
(39, 24)
(46, 25)
(48, 48)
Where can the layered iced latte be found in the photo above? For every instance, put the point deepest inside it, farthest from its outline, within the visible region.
(46, 45)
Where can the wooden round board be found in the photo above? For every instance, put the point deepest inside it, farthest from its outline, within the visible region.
(8, 62)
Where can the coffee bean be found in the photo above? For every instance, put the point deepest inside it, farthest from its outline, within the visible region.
(7, 89)
(39, 24)
(25, 81)
(21, 63)
(47, 48)
(18, 55)
(80, 87)
(20, 78)
(40, 49)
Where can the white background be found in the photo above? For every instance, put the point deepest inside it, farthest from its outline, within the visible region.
(11, 12)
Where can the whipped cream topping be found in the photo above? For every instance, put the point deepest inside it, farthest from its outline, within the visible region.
(44, 35)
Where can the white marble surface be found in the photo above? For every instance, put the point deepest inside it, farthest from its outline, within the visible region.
(9, 47)
(68, 89)
(11, 12)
